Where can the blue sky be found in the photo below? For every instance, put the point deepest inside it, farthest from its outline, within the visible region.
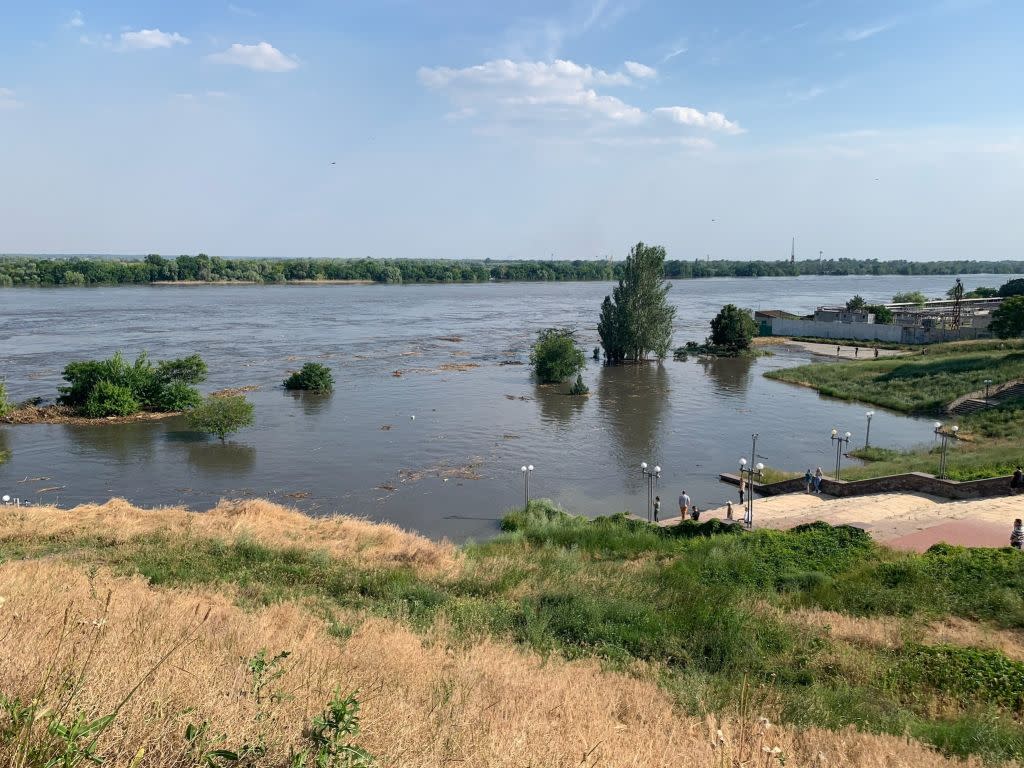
(513, 130)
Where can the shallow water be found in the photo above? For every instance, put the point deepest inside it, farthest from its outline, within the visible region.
(346, 452)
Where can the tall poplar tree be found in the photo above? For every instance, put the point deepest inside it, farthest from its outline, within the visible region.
(636, 319)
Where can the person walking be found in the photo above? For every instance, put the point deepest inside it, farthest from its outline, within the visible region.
(728, 510)
(817, 480)
(1017, 481)
(694, 513)
(1017, 534)
(657, 507)
(837, 352)
(808, 479)
(876, 353)
(856, 351)
(741, 492)
(684, 504)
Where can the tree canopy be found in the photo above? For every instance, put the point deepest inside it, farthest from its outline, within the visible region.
(221, 416)
(856, 304)
(910, 297)
(636, 319)
(732, 328)
(1008, 318)
(555, 356)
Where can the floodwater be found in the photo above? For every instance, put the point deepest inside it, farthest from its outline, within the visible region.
(454, 469)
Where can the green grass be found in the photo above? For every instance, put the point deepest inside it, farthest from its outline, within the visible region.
(692, 600)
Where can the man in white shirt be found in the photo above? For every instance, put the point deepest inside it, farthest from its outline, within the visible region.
(684, 504)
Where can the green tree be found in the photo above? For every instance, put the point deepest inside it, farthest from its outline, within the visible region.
(221, 416)
(1008, 319)
(110, 399)
(314, 377)
(555, 357)
(910, 297)
(732, 328)
(637, 318)
(856, 304)
(883, 315)
(1012, 287)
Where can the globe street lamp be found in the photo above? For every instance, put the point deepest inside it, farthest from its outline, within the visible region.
(527, 470)
(840, 441)
(756, 471)
(867, 435)
(988, 383)
(652, 476)
(946, 436)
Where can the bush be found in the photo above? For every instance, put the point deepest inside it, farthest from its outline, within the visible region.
(1008, 318)
(732, 328)
(579, 388)
(221, 416)
(975, 673)
(176, 396)
(5, 406)
(184, 370)
(883, 315)
(313, 377)
(163, 387)
(108, 399)
(555, 357)
(909, 297)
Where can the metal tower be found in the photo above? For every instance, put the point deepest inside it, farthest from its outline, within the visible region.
(792, 252)
(958, 297)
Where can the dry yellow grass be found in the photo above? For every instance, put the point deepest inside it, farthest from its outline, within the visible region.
(426, 703)
(349, 538)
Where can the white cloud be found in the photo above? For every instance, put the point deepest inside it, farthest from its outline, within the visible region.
(640, 71)
(147, 39)
(76, 20)
(261, 57)
(677, 49)
(714, 121)
(8, 100)
(863, 33)
(518, 87)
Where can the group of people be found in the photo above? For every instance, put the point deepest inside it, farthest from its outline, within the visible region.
(686, 507)
(813, 481)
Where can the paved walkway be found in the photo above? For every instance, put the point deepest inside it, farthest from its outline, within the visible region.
(904, 520)
(846, 351)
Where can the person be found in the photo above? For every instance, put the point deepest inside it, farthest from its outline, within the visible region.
(728, 510)
(837, 352)
(876, 353)
(808, 479)
(741, 493)
(856, 351)
(684, 504)
(1017, 534)
(657, 507)
(817, 480)
(694, 513)
(1017, 482)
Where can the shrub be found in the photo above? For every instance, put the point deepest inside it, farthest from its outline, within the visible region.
(221, 416)
(5, 406)
(1008, 318)
(163, 387)
(313, 377)
(974, 673)
(176, 396)
(579, 388)
(883, 315)
(555, 357)
(184, 370)
(909, 297)
(732, 328)
(108, 399)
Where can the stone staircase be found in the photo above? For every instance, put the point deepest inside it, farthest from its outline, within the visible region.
(973, 403)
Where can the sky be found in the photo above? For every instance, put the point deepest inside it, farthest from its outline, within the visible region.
(522, 129)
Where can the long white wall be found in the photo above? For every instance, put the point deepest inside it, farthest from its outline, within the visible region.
(862, 331)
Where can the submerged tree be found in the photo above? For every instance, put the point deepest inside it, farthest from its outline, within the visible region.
(637, 318)
(732, 328)
(555, 357)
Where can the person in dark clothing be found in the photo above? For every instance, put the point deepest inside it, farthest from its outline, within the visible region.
(1017, 534)
(1017, 481)
(657, 507)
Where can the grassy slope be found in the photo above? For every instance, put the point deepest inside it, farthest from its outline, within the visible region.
(925, 384)
(708, 615)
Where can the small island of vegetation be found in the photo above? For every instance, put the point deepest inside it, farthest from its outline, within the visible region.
(313, 377)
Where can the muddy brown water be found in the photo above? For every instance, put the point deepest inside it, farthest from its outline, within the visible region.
(454, 469)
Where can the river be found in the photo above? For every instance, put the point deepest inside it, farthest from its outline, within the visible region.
(454, 469)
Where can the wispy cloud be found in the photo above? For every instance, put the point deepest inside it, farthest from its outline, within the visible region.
(676, 49)
(807, 94)
(76, 20)
(261, 57)
(241, 10)
(640, 71)
(855, 35)
(8, 100)
(148, 39)
(714, 121)
(546, 36)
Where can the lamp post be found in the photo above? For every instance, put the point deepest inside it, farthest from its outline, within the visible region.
(527, 470)
(756, 471)
(867, 435)
(946, 436)
(651, 475)
(988, 383)
(840, 441)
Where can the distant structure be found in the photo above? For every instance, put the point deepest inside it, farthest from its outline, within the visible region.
(792, 252)
(958, 300)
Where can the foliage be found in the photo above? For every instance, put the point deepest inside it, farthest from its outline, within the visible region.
(5, 405)
(732, 328)
(221, 416)
(856, 304)
(114, 388)
(883, 315)
(909, 297)
(42, 271)
(579, 388)
(328, 737)
(1013, 287)
(637, 318)
(109, 399)
(972, 673)
(1008, 318)
(314, 377)
(555, 356)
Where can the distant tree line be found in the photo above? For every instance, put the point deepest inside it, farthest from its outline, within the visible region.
(39, 271)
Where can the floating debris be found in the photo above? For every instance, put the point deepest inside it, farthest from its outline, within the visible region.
(455, 339)
(385, 427)
(511, 362)
(386, 487)
(232, 391)
(298, 495)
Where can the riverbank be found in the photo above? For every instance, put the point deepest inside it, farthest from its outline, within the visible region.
(846, 351)
(624, 643)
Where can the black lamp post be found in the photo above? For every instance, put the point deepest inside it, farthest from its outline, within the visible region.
(527, 470)
(867, 435)
(840, 441)
(652, 476)
(946, 436)
(755, 471)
